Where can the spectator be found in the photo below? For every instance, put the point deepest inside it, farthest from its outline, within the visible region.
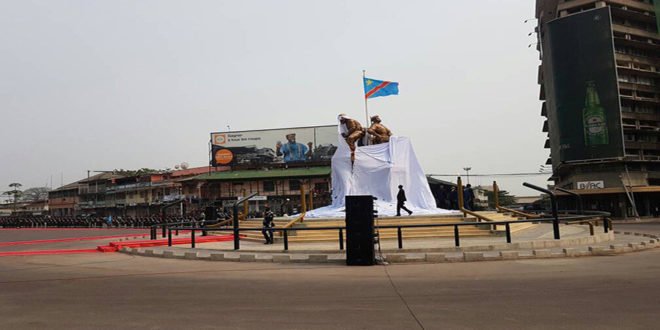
(453, 199)
(468, 197)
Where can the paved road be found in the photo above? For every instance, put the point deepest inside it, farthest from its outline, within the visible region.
(13, 235)
(651, 228)
(31, 235)
(109, 291)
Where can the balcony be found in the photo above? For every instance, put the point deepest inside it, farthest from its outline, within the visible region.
(640, 116)
(638, 87)
(637, 59)
(642, 145)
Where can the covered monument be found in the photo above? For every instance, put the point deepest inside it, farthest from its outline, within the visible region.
(378, 170)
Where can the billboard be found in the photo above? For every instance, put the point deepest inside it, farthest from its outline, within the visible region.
(274, 146)
(584, 107)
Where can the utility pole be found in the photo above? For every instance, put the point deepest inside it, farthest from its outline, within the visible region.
(467, 172)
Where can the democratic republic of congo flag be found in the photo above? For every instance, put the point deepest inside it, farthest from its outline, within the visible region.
(376, 88)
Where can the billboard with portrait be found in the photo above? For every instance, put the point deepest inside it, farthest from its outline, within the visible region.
(274, 146)
(584, 109)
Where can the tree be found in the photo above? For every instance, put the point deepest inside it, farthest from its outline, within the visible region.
(140, 172)
(15, 193)
(504, 197)
(35, 194)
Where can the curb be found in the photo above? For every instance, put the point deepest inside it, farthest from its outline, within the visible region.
(536, 251)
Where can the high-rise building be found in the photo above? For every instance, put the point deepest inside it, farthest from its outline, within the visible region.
(600, 90)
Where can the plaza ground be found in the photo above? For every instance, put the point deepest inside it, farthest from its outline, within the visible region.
(114, 290)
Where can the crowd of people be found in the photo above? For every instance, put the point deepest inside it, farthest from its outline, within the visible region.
(448, 199)
(86, 221)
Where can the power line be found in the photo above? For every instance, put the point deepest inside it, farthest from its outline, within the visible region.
(496, 174)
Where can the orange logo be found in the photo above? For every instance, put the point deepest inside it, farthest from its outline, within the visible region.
(219, 139)
(223, 156)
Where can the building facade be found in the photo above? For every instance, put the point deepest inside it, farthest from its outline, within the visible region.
(282, 189)
(620, 174)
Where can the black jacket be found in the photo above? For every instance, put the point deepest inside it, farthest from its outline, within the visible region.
(268, 219)
(401, 196)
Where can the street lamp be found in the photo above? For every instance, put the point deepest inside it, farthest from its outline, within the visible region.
(467, 172)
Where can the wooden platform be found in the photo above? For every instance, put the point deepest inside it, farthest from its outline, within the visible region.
(390, 233)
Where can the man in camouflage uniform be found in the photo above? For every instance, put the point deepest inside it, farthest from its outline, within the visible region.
(352, 131)
(379, 133)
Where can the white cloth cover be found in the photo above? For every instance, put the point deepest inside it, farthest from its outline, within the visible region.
(378, 171)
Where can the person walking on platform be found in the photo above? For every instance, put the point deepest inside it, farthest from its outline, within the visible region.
(400, 201)
(468, 197)
(267, 231)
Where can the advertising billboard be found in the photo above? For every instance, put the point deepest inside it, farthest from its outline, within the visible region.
(274, 146)
(584, 112)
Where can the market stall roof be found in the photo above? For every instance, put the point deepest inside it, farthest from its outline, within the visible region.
(263, 174)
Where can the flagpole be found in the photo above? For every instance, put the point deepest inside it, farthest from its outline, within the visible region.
(366, 109)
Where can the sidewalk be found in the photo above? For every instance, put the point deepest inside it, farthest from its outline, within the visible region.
(632, 220)
(536, 242)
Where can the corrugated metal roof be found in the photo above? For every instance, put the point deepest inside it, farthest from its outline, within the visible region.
(263, 174)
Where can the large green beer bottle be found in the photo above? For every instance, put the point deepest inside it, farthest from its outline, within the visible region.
(593, 115)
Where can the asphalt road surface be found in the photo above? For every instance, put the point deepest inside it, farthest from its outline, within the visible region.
(113, 290)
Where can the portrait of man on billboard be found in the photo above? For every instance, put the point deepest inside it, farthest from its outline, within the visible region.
(291, 151)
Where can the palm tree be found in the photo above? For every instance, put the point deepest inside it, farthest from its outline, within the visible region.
(14, 192)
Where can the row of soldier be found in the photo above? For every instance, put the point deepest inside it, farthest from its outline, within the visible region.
(87, 222)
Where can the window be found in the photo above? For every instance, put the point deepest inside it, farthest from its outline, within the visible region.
(644, 109)
(294, 184)
(269, 186)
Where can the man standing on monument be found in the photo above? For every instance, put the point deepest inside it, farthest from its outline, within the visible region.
(400, 201)
(379, 133)
(352, 131)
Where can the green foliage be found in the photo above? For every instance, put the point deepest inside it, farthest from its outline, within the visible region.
(35, 194)
(15, 193)
(140, 172)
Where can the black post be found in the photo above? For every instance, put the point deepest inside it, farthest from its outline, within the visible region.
(457, 239)
(606, 224)
(237, 238)
(192, 238)
(508, 233)
(164, 228)
(286, 240)
(237, 243)
(169, 237)
(341, 239)
(553, 200)
(578, 199)
(399, 238)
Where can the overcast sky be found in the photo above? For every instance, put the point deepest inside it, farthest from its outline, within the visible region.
(102, 85)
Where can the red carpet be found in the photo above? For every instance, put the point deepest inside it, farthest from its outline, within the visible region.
(111, 247)
(45, 252)
(116, 246)
(72, 239)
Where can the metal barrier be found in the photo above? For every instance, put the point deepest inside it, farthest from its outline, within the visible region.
(578, 198)
(553, 201)
(237, 240)
(593, 219)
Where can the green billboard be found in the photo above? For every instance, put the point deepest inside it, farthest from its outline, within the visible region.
(584, 108)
